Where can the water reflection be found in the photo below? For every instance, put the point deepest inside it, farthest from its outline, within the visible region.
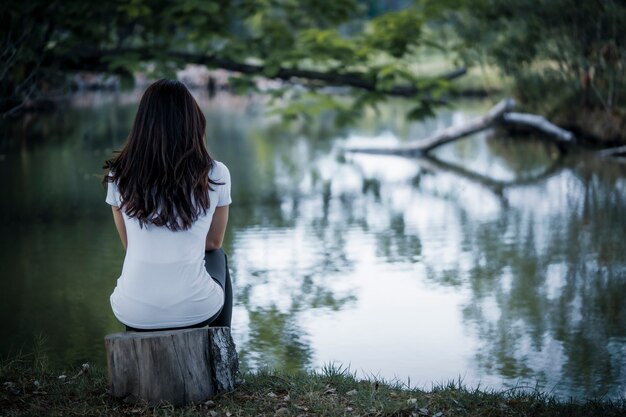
(499, 261)
(549, 302)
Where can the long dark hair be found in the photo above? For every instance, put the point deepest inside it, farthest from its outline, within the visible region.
(162, 172)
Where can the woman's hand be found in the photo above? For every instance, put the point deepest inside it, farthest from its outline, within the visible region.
(215, 237)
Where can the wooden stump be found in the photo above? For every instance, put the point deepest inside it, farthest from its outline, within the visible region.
(175, 366)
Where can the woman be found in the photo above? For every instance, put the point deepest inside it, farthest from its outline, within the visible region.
(170, 206)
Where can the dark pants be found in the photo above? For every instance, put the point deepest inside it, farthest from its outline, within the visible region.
(216, 264)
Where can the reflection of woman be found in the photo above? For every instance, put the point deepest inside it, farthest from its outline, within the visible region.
(170, 206)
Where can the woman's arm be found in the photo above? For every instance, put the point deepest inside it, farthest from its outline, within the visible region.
(119, 225)
(215, 237)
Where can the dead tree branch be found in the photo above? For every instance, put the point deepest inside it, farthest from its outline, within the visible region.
(500, 114)
(443, 136)
(538, 123)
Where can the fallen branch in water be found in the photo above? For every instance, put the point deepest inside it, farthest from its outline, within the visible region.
(500, 114)
(443, 136)
(618, 153)
(538, 123)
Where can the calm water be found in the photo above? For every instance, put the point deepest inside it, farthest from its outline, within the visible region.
(499, 263)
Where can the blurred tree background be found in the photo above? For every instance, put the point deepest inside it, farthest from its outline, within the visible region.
(566, 58)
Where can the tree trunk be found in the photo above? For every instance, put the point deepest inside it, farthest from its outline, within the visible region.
(223, 358)
(175, 366)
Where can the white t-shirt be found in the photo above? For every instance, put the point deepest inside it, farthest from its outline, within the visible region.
(163, 282)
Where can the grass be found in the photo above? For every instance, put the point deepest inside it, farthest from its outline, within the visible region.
(28, 388)
(478, 78)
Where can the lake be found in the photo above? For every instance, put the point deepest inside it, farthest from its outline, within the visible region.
(499, 262)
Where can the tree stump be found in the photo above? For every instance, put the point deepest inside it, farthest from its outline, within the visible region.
(175, 366)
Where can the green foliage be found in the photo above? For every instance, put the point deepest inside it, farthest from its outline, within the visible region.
(396, 32)
(242, 84)
(327, 47)
(421, 111)
(49, 39)
(563, 48)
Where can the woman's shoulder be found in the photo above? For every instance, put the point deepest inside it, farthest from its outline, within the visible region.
(219, 172)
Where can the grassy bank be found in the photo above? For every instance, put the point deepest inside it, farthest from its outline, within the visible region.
(28, 388)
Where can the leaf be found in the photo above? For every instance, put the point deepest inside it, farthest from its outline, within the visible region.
(242, 84)
(271, 69)
(127, 81)
(421, 111)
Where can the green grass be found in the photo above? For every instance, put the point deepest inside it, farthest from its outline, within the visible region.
(478, 78)
(28, 389)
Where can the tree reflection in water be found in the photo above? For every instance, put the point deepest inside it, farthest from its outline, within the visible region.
(547, 275)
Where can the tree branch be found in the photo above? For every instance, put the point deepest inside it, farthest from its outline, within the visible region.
(441, 137)
(97, 60)
(499, 114)
(539, 123)
(618, 153)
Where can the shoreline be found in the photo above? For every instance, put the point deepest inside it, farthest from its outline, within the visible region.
(30, 388)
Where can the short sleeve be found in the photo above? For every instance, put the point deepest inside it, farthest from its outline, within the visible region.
(223, 191)
(113, 195)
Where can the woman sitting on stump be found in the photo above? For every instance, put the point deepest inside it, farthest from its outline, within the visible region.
(170, 206)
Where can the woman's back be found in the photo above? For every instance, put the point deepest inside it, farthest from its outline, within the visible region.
(169, 199)
(157, 244)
